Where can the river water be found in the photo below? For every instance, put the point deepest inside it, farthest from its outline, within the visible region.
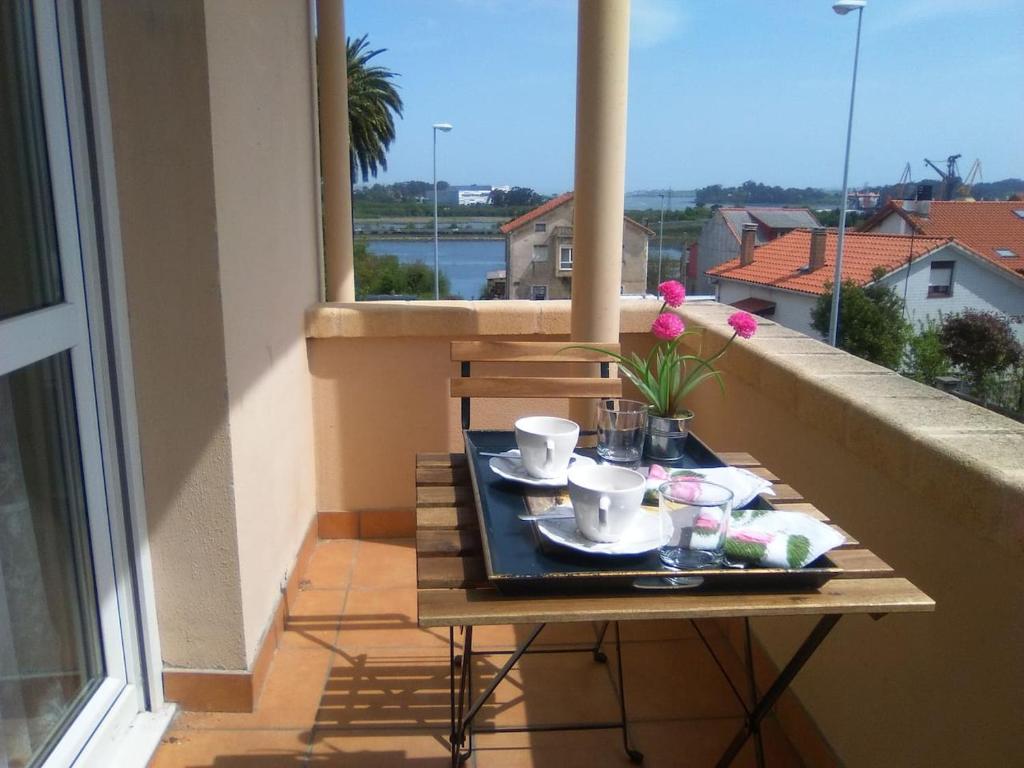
(465, 262)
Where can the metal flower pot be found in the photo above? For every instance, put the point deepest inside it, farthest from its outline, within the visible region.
(666, 436)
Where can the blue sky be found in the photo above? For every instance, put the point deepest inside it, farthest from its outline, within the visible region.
(721, 91)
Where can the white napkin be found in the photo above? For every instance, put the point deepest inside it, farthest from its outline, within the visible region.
(745, 485)
(777, 539)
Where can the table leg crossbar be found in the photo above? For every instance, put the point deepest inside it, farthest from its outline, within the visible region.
(464, 711)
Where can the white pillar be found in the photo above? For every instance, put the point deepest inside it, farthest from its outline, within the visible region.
(601, 90)
(332, 71)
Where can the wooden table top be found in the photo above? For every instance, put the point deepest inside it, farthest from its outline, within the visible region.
(453, 589)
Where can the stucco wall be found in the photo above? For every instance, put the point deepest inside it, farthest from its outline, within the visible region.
(932, 484)
(213, 139)
(160, 110)
(976, 286)
(262, 119)
(716, 245)
(792, 310)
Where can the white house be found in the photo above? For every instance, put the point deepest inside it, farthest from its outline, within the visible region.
(934, 275)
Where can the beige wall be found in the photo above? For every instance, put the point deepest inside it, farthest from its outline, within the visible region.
(264, 166)
(932, 484)
(160, 111)
(212, 136)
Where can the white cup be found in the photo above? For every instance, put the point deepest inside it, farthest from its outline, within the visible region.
(546, 444)
(606, 500)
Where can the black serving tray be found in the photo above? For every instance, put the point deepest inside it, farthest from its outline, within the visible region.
(518, 559)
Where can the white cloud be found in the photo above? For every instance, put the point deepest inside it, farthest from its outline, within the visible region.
(653, 22)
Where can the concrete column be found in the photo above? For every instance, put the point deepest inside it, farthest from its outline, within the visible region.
(332, 71)
(602, 65)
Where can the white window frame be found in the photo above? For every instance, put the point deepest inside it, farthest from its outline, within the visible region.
(107, 432)
(561, 258)
(941, 290)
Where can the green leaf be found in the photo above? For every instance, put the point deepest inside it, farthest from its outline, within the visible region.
(798, 549)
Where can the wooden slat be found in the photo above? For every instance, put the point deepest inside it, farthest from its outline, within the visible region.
(738, 459)
(442, 608)
(860, 563)
(535, 386)
(784, 494)
(442, 475)
(765, 474)
(446, 543)
(450, 572)
(527, 352)
(443, 495)
(440, 459)
(441, 518)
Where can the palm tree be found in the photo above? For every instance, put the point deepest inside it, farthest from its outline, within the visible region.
(373, 101)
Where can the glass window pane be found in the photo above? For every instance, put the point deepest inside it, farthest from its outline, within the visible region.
(29, 259)
(50, 658)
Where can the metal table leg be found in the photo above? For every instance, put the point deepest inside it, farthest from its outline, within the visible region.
(790, 671)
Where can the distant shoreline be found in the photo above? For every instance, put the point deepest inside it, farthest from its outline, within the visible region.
(429, 237)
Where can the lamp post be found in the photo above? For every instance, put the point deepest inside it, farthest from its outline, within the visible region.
(843, 7)
(437, 271)
(661, 234)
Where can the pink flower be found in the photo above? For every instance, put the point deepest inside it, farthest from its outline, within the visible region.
(667, 326)
(743, 323)
(673, 292)
(755, 537)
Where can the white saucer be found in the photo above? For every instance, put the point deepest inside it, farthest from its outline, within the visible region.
(653, 530)
(510, 467)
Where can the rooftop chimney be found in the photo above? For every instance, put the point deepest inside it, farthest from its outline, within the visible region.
(817, 260)
(747, 244)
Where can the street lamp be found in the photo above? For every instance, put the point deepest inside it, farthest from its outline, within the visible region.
(661, 234)
(843, 7)
(437, 290)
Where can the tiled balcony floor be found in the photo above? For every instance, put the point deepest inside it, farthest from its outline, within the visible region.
(356, 683)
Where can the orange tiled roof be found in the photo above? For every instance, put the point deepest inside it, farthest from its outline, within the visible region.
(982, 226)
(550, 205)
(780, 262)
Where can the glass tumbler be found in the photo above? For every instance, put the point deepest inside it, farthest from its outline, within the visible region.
(700, 512)
(621, 428)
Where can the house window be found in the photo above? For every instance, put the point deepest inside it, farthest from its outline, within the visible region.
(540, 253)
(940, 281)
(538, 292)
(540, 226)
(1005, 253)
(565, 257)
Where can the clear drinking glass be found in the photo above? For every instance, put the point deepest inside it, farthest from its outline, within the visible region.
(700, 513)
(621, 427)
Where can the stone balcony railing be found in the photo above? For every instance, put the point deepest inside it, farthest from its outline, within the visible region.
(932, 484)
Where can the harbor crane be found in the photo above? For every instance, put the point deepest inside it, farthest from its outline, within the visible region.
(973, 175)
(950, 177)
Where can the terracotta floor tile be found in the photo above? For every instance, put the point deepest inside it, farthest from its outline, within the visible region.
(384, 564)
(386, 618)
(374, 749)
(657, 630)
(290, 696)
(232, 749)
(508, 637)
(387, 689)
(331, 565)
(314, 618)
(675, 679)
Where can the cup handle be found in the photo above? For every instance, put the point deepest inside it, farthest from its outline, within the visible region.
(549, 456)
(603, 505)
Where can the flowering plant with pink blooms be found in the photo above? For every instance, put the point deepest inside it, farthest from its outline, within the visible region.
(666, 375)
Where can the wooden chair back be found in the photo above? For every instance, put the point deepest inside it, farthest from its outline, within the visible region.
(467, 386)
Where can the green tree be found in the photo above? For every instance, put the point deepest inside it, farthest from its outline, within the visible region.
(982, 344)
(871, 323)
(926, 358)
(385, 275)
(373, 102)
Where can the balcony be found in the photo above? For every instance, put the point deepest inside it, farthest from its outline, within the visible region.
(932, 484)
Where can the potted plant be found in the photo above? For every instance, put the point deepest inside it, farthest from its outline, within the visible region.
(666, 376)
